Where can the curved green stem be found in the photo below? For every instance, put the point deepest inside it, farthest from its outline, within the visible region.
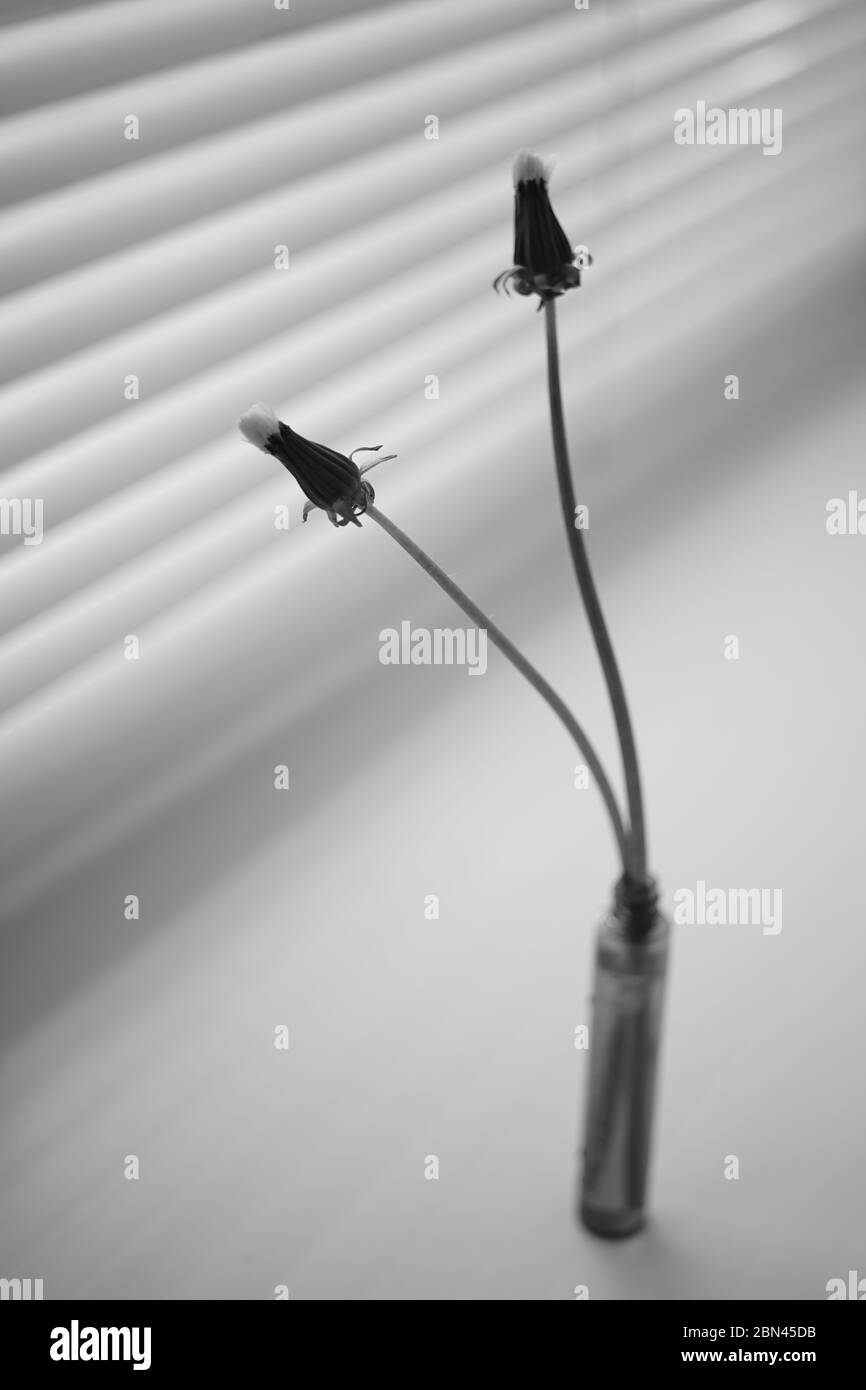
(637, 834)
(519, 661)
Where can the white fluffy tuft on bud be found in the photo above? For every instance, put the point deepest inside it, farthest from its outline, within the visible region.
(259, 424)
(528, 166)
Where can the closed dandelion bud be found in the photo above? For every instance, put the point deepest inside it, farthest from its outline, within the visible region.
(328, 479)
(544, 259)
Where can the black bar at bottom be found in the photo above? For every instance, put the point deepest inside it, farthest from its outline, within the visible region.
(218, 1339)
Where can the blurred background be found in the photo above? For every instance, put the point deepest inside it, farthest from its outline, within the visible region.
(142, 314)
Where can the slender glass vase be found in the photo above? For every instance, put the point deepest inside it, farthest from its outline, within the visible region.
(625, 1033)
